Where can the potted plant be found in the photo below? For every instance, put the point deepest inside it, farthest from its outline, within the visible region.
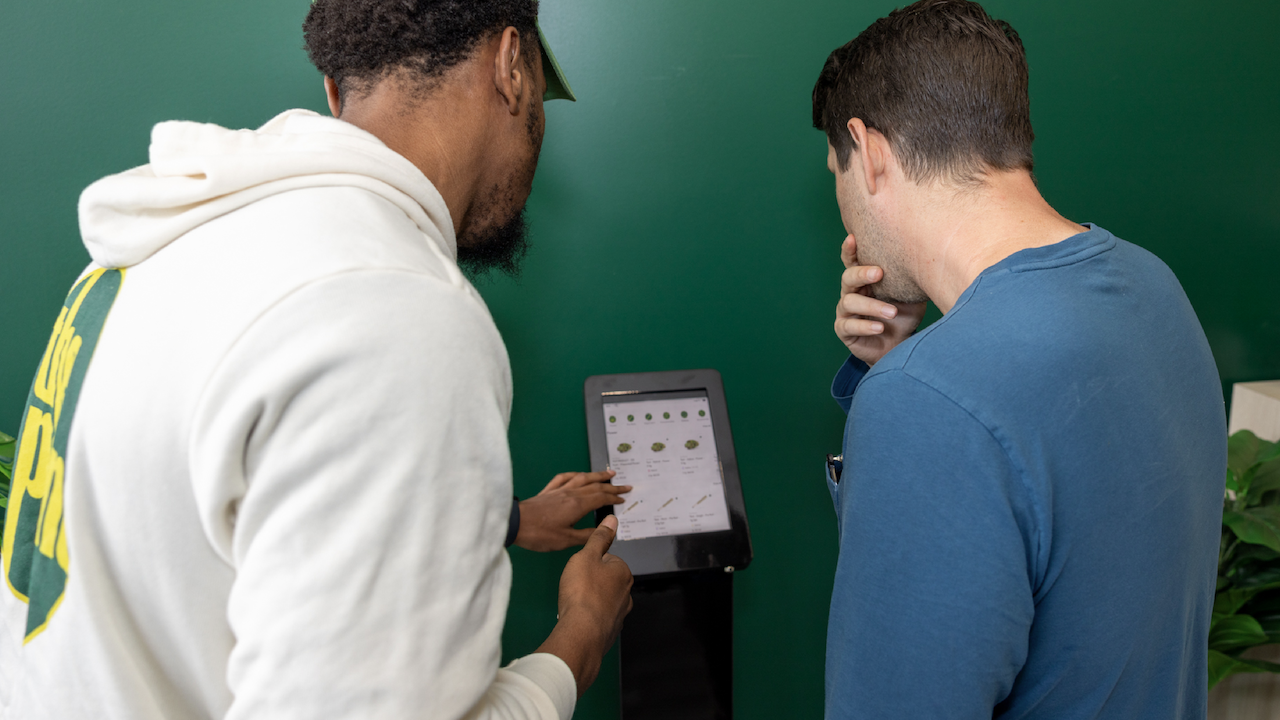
(1246, 607)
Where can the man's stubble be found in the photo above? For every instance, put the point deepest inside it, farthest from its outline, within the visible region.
(500, 243)
(878, 247)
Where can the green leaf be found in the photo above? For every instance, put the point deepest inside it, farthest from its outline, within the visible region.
(1262, 665)
(1247, 560)
(1255, 553)
(1230, 632)
(1264, 578)
(1258, 526)
(1270, 625)
(1266, 602)
(1242, 451)
(7, 449)
(1233, 481)
(1226, 603)
(1222, 666)
(1266, 477)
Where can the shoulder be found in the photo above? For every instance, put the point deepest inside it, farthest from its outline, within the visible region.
(313, 231)
(899, 397)
(1041, 317)
(280, 259)
(377, 314)
(361, 347)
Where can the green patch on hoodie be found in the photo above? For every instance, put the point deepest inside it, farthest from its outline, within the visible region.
(35, 556)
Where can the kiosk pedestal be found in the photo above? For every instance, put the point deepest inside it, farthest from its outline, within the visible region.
(676, 649)
(682, 530)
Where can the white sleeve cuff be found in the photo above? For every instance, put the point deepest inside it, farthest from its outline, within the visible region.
(554, 677)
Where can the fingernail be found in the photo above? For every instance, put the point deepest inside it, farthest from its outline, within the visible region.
(877, 327)
(889, 311)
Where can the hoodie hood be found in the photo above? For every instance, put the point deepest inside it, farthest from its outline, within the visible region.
(199, 172)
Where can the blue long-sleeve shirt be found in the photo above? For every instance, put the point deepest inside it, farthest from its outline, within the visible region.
(1031, 501)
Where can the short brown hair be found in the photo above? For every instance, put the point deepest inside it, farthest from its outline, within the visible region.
(944, 82)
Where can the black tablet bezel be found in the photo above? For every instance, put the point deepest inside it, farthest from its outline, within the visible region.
(728, 549)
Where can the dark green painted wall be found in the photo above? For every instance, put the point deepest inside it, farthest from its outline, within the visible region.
(684, 218)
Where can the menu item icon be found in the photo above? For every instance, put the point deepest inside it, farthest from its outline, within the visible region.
(658, 447)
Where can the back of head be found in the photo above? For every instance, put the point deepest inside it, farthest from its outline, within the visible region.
(359, 42)
(942, 81)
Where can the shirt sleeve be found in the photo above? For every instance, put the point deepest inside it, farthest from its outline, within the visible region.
(932, 605)
(513, 524)
(350, 462)
(846, 381)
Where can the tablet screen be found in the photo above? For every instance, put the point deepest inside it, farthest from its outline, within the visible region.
(663, 446)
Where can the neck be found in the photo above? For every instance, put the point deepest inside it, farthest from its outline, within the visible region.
(960, 233)
(443, 134)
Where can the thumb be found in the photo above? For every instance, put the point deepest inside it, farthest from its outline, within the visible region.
(600, 540)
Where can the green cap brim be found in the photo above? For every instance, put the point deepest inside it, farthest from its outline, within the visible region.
(557, 86)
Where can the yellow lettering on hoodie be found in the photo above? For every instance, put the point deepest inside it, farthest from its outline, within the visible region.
(35, 558)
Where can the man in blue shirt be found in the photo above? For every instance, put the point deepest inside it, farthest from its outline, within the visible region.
(1031, 493)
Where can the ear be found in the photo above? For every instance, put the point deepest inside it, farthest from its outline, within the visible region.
(510, 76)
(872, 151)
(335, 100)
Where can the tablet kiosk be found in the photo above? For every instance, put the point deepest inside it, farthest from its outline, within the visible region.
(667, 435)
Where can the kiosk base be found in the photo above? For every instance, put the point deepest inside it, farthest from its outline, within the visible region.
(676, 649)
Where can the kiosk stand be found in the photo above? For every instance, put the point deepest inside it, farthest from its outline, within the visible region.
(676, 649)
(683, 532)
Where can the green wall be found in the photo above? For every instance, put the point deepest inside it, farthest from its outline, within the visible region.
(684, 217)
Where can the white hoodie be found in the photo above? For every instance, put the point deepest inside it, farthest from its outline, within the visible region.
(287, 481)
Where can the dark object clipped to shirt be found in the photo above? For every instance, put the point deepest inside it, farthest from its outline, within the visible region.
(835, 468)
(1030, 506)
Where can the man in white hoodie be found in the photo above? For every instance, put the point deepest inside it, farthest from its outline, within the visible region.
(287, 485)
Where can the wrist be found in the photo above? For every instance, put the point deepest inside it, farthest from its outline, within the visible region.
(527, 531)
(578, 645)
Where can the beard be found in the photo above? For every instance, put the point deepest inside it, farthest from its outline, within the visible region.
(496, 242)
(495, 247)
(877, 247)
(897, 285)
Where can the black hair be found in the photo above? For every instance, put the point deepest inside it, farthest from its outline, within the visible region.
(945, 83)
(358, 42)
